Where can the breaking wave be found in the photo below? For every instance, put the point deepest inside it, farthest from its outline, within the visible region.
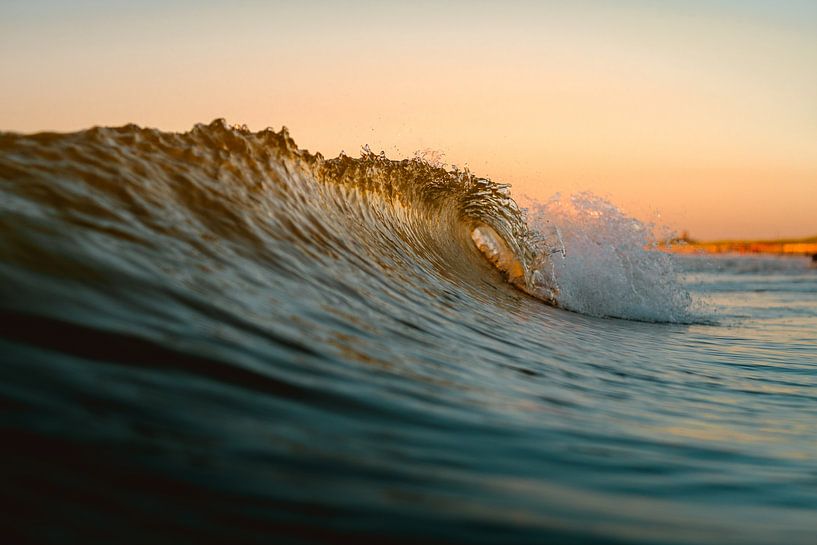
(257, 196)
(215, 336)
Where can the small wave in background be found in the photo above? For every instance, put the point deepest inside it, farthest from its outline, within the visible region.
(215, 336)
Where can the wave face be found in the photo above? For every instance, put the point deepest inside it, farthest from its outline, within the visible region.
(217, 336)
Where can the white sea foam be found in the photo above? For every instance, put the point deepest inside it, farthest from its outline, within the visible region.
(610, 266)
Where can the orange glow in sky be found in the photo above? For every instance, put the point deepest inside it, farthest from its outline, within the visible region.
(702, 112)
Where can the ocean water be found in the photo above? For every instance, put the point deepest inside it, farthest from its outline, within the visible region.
(217, 337)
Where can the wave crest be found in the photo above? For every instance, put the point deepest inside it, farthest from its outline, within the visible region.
(218, 188)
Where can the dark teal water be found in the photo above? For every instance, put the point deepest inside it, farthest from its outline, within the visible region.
(215, 337)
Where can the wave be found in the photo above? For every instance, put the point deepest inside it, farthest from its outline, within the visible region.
(131, 202)
(219, 328)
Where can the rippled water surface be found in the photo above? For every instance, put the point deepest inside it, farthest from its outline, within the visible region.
(218, 337)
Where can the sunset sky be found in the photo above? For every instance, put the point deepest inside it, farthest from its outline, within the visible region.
(704, 112)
